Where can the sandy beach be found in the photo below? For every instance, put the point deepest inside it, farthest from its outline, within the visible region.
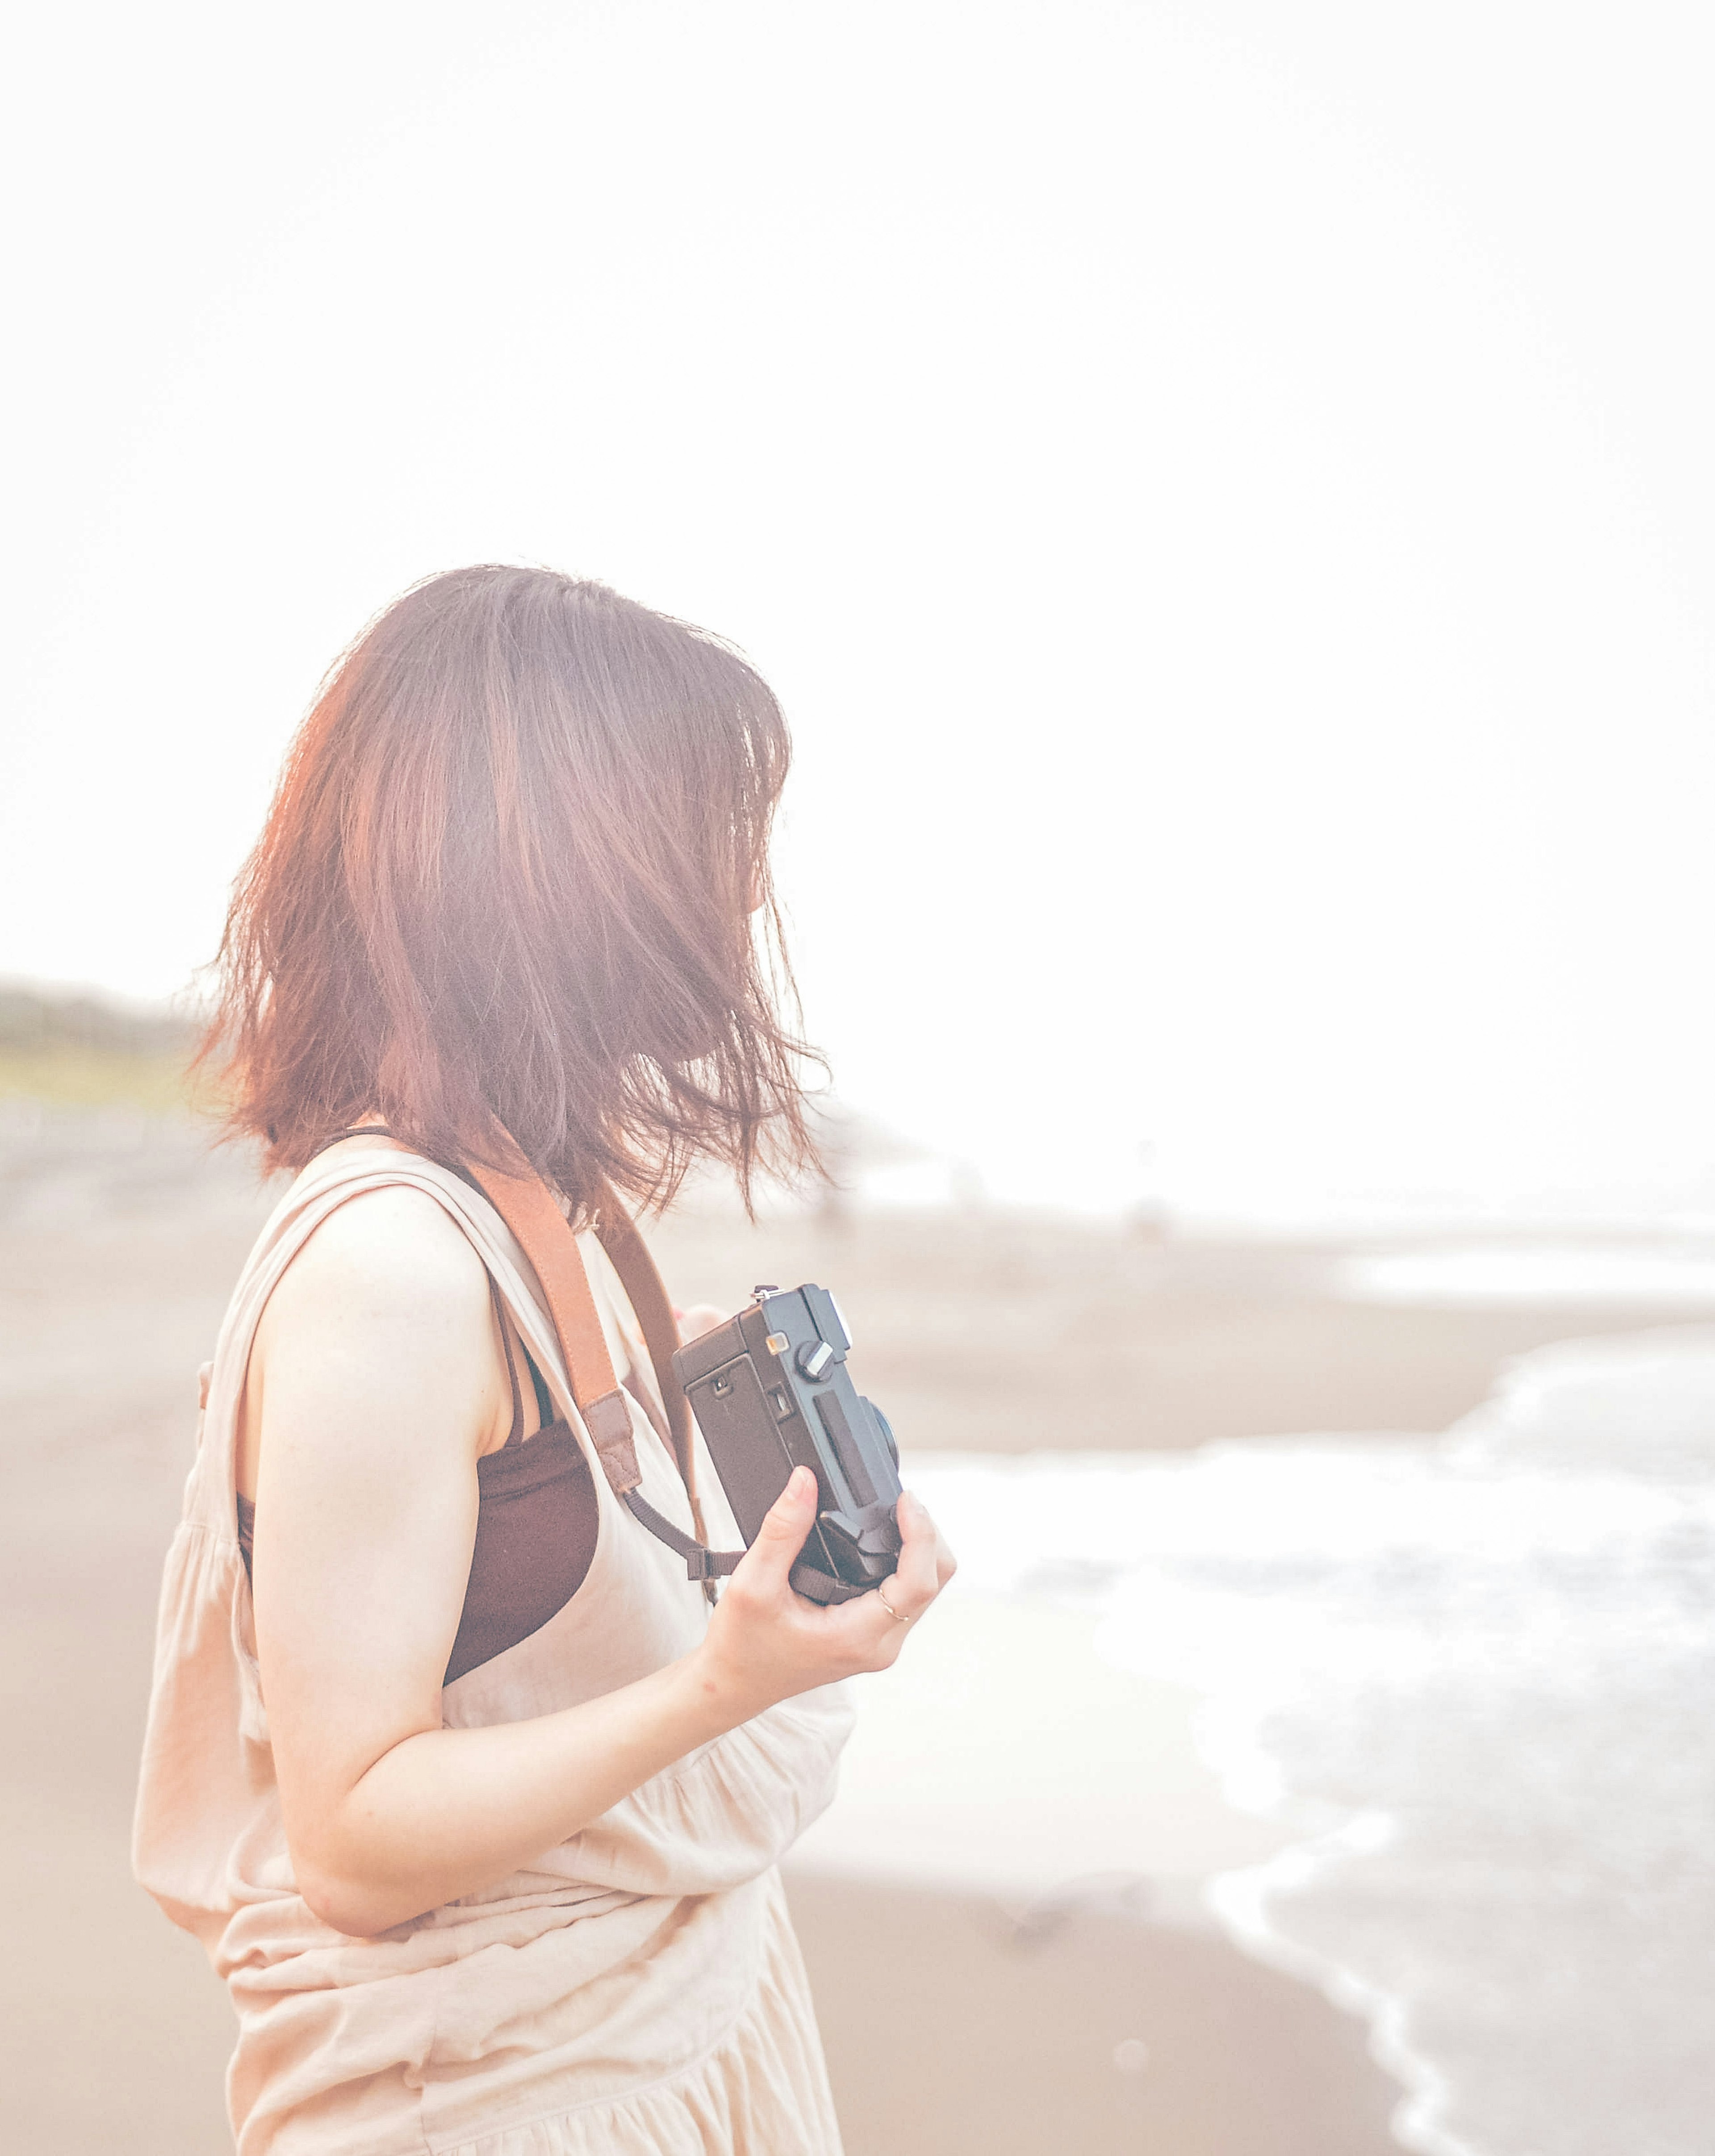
(1008, 1964)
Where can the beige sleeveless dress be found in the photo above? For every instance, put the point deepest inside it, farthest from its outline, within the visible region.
(636, 1991)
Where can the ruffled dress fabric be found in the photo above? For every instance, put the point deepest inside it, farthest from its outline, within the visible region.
(637, 1987)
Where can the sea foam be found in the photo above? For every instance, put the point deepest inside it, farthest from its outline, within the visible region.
(1476, 1674)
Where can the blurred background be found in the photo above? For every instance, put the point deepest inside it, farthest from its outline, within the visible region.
(1225, 496)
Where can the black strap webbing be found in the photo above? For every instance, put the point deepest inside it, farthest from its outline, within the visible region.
(700, 1564)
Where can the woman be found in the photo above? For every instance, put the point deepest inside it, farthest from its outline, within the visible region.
(474, 1799)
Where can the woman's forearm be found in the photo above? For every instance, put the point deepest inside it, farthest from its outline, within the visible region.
(442, 1813)
(448, 1811)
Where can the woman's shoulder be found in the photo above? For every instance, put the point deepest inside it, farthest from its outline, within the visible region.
(396, 1249)
(376, 1341)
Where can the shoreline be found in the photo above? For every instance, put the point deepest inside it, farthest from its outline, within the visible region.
(1102, 2034)
(1009, 1791)
(1239, 1899)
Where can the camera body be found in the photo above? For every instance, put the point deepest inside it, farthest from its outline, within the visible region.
(771, 1392)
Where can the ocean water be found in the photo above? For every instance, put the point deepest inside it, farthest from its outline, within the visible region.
(1477, 1673)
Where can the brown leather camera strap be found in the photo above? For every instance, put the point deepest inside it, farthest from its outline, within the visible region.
(529, 1208)
(618, 1234)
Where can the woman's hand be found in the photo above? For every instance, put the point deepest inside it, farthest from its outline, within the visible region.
(765, 1643)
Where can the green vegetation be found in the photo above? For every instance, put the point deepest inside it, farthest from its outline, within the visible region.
(88, 1078)
(80, 1052)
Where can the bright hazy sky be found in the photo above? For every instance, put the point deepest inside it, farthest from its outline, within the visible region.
(1223, 491)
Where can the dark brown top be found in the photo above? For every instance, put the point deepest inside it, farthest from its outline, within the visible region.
(536, 1522)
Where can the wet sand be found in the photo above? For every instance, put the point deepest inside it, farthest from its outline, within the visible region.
(1003, 1332)
(949, 2027)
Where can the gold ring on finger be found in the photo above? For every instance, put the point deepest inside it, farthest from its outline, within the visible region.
(898, 1616)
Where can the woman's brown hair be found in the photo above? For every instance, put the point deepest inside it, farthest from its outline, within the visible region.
(516, 873)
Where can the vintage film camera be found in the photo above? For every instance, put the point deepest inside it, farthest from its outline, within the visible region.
(771, 1392)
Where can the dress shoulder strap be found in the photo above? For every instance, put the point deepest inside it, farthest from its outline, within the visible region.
(516, 1431)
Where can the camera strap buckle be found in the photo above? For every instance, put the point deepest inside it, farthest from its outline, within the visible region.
(700, 1563)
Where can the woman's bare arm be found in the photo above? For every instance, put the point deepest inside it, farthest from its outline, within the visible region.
(376, 1383)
